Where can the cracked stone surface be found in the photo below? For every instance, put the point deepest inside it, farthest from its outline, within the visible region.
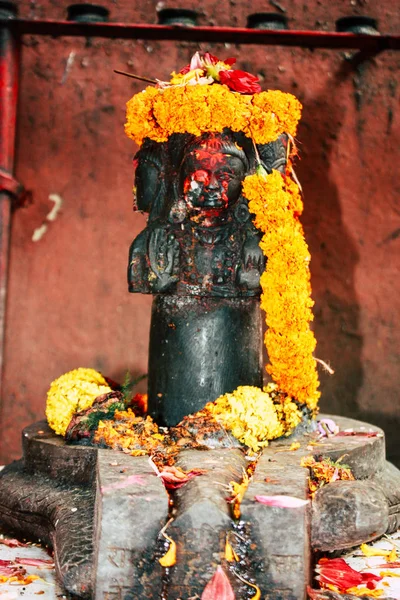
(131, 509)
(281, 535)
(102, 512)
(202, 518)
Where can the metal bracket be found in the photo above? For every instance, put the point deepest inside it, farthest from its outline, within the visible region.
(19, 195)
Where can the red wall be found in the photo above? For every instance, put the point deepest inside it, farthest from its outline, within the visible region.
(68, 304)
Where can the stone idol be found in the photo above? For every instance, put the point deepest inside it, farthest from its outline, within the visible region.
(218, 485)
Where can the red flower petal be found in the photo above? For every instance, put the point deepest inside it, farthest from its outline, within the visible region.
(11, 570)
(218, 588)
(12, 543)
(337, 572)
(35, 562)
(240, 81)
(185, 70)
(175, 478)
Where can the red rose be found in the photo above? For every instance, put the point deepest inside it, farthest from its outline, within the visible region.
(240, 81)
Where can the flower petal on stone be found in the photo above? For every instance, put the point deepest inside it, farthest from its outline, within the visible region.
(367, 434)
(391, 555)
(12, 570)
(218, 588)
(230, 554)
(337, 572)
(327, 427)
(12, 543)
(281, 501)
(174, 477)
(35, 562)
(169, 558)
(120, 485)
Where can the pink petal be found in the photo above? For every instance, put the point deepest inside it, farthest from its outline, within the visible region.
(330, 427)
(281, 501)
(119, 485)
(12, 543)
(12, 570)
(196, 62)
(35, 562)
(218, 588)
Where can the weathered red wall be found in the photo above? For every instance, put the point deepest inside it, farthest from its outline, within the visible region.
(68, 303)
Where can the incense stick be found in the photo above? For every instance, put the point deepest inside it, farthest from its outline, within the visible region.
(153, 81)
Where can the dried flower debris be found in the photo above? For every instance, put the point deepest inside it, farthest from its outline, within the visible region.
(325, 471)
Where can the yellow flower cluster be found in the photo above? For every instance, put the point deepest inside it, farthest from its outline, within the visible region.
(286, 299)
(158, 113)
(255, 416)
(133, 435)
(72, 392)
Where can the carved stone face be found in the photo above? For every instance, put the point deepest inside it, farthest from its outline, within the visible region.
(212, 180)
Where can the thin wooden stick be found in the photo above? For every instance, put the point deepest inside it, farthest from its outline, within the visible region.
(153, 81)
(325, 365)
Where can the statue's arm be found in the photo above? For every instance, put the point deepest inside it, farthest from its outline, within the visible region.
(253, 259)
(138, 268)
(163, 259)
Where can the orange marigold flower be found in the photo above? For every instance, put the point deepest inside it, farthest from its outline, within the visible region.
(286, 299)
(158, 113)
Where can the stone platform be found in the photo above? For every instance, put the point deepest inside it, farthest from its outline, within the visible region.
(102, 512)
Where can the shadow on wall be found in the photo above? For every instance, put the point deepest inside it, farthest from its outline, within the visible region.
(334, 253)
(334, 260)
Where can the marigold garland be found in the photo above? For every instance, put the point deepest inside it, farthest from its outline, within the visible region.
(276, 203)
(158, 113)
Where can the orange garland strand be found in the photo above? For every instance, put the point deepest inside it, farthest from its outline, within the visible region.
(196, 109)
(286, 291)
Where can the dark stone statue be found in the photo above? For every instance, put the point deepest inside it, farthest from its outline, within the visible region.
(200, 256)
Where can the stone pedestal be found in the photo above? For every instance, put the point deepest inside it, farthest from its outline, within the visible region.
(102, 512)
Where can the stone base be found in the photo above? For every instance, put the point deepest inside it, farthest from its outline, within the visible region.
(102, 512)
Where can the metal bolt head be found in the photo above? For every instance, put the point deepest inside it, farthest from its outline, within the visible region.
(271, 21)
(8, 10)
(357, 24)
(178, 16)
(87, 13)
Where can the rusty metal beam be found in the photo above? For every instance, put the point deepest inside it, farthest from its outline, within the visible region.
(234, 35)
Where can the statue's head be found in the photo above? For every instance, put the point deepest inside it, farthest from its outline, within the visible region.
(211, 175)
(149, 178)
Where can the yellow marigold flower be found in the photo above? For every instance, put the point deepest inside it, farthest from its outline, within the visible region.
(252, 416)
(158, 113)
(72, 392)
